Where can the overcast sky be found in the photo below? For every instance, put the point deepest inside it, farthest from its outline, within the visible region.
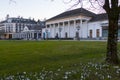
(37, 9)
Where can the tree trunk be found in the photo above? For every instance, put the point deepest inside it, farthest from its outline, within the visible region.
(112, 9)
(111, 56)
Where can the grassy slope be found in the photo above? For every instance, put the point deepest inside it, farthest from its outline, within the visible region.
(19, 56)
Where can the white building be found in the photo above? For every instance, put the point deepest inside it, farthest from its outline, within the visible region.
(28, 33)
(78, 23)
(14, 28)
(2, 31)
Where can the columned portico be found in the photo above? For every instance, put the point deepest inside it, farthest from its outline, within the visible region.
(28, 35)
(67, 29)
(79, 23)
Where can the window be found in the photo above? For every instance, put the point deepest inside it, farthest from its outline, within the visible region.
(90, 33)
(97, 32)
(104, 33)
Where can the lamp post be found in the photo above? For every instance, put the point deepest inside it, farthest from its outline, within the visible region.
(46, 30)
(60, 29)
(77, 35)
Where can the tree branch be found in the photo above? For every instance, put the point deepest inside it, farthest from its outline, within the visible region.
(12, 1)
(76, 4)
(106, 6)
(99, 3)
(67, 1)
(92, 3)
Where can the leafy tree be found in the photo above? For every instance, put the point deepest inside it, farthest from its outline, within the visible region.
(112, 8)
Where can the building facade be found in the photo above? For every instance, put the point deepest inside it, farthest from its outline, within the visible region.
(2, 31)
(28, 33)
(78, 23)
(15, 28)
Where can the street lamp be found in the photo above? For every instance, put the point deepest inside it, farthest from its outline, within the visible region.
(77, 34)
(46, 30)
(60, 29)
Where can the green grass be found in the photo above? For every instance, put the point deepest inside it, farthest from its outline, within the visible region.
(17, 56)
(34, 56)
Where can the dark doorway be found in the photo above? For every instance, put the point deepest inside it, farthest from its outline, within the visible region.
(35, 35)
(66, 35)
(77, 34)
(56, 37)
(44, 36)
(10, 36)
(39, 35)
(90, 32)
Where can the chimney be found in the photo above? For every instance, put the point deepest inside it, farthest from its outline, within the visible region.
(7, 16)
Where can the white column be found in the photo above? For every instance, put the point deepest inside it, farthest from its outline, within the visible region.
(68, 29)
(53, 30)
(58, 30)
(33, 35)
(87, 28)
(37, 34)
(47, 33)
(50, 33)
(63, 30)
(81, 28)
(74, 24)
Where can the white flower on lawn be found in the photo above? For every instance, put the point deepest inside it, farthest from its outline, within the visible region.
(65, 77)
(118, 71)
(109, 76)
(116, 67)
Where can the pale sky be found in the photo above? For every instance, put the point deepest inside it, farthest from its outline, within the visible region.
(37, 9)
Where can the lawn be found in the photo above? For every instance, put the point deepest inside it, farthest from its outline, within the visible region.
(53, 60)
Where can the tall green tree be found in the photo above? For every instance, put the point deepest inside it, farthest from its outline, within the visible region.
(112, 8)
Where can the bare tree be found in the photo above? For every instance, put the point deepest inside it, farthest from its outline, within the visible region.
(112, 8)
(12, 1)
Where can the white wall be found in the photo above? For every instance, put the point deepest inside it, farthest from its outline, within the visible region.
(84, 30)
(94, 26)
